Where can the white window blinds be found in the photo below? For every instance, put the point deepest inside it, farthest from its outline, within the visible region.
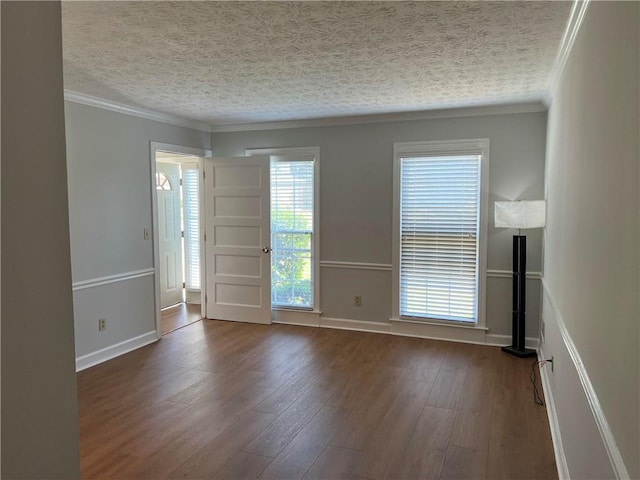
(191, 207)
(292, 232)
(439, 229)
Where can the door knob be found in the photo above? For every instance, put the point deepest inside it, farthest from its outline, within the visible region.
(266, 250)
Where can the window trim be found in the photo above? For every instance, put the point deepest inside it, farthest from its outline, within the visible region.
(303, 154)
(479, 146)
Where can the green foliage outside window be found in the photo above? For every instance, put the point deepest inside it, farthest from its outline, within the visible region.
(291, 259)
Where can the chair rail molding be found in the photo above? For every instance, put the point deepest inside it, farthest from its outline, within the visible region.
(608, 440)
(387, 267)
(119, 277)
(384, 267)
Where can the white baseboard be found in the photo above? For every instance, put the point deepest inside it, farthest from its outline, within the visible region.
(503, 340)
(303, 318)
(554, 425)
(478, 336)
(356, 325)
(112, 351)
(437, 331)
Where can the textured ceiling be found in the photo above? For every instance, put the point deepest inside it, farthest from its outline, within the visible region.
(239, 62)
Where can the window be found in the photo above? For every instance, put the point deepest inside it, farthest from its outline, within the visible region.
(294, 220)
(162, 181)
(191, 219)
(439, 231)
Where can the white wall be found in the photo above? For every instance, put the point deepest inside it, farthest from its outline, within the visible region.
(39, 402)
(110, 206)
(356, 185)
(591, 245)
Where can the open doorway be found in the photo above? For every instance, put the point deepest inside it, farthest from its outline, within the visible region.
(178, 238)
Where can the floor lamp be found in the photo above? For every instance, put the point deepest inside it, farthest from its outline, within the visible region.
(520, 215)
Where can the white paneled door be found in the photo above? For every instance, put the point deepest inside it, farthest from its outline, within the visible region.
(170, 233)
(238, 236)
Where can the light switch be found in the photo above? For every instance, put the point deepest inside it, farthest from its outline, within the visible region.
(147, 234)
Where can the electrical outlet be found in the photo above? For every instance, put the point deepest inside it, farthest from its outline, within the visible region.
(357, 301)
(102, 324)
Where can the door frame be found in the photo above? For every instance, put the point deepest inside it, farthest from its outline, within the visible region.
(155, 147)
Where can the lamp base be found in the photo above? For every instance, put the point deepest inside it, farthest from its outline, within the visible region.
(522, 353)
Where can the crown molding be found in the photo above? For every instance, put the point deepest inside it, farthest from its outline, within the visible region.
(535, 105)
(83, 99)
(576, 16)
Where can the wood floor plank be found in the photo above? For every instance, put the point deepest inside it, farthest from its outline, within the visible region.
(449, 383)
(186, 415)
(213, 456)
(275, 347)
(471, 430)
(334, 462)
(301, 361)
(222, 400)
(427, 449)
(274, 438)
(179, 316)
(365, 418)
(245, 466)
(394, 431)
(110, 466)
(464, 464)
(513, 426)
(195, 426)
(299, 455)
(480, 380)
(142, 386)
(291, 390)
(426, 361)
(100, 444)
(203, 387)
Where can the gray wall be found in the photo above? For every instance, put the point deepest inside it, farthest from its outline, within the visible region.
(110, 205)
(592, 238)
(356, 184)
(39, 404)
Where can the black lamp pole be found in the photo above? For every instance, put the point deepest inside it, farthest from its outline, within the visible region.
(518, 326)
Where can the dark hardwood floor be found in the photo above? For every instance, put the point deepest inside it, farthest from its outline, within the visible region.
(179, 316)
(229, 400)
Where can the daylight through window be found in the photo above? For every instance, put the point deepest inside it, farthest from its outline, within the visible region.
(292, 233)
(439, 228)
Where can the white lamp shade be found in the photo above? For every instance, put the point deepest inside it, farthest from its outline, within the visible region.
(521, 214)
